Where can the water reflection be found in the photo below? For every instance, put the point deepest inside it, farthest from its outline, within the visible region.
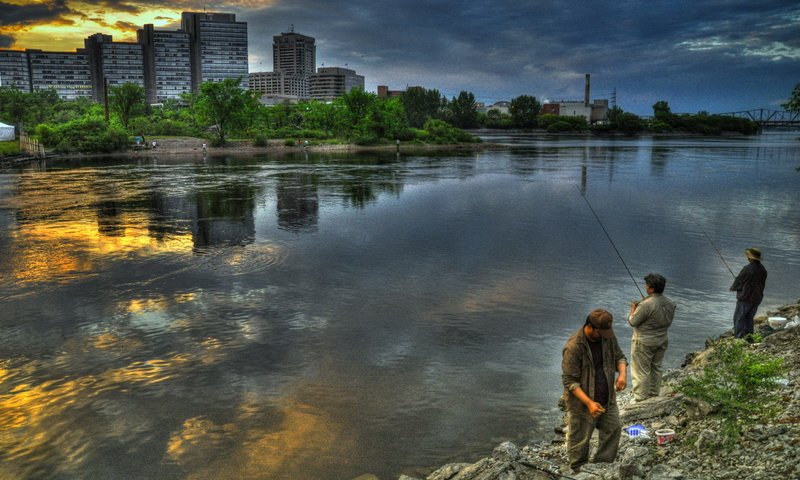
(325, 316)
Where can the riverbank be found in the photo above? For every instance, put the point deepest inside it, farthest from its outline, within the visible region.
(766, 450)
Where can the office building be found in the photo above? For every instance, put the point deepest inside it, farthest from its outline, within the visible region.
(68, 73)
(279, 84)
(113, 63)
(14, 70)
(332, 82)
(293, 53)
(294, 57)
(218, 47)
(167, 65)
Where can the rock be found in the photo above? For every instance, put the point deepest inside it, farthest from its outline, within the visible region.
(447, 472)
(664, 472)
(406, 477)
(506, 452)
(650, 408)
(633, 461)
(369, 476)
(697, 409)
(707, 441)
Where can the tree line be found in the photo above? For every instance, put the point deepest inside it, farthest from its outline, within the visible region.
(222, 111)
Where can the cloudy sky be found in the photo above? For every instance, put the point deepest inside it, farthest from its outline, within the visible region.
(715, 55)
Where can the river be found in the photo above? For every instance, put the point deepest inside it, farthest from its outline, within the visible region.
(328, 315)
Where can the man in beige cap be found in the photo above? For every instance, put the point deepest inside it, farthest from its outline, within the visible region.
(749, 288)
(591, 359)
(650, 319)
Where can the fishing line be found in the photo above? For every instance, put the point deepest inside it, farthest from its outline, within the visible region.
(712, 244)
(610, 240)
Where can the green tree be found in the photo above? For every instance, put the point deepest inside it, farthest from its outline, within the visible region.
(126, 101)
(524, 111)
(793, 105)
(464, 110)
(12, 105)
(225, 106)
(421, 104)
(662, 112)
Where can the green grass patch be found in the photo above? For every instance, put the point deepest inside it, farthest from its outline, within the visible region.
(9, 148)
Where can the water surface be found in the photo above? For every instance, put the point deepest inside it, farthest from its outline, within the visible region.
(330, 315)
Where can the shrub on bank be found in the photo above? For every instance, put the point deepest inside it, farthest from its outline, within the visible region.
(84, 135)
(442, 132)
(739, 383)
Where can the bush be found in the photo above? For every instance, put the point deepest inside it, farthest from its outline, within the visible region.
(442, 132)
(261, 140)
(560, 126)
(658, 126)
(87, 135)
(739, 383)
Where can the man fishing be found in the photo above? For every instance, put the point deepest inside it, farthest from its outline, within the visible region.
(590, 359)
(749, 287)
(650, 319)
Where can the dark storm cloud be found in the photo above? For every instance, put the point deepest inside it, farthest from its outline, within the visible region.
(12, 14)
(6, 41)
(691, 53)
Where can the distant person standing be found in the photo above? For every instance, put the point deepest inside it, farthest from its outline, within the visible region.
(749, 287)
(650, 319)
(591, 359)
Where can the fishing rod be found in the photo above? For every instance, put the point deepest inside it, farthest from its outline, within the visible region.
(712, 244)
(610, 240)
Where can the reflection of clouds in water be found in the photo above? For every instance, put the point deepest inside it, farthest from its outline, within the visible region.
(304, 438)
(34, 417)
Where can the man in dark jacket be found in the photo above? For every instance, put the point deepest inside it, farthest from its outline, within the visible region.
(591, 358)
(749, 288)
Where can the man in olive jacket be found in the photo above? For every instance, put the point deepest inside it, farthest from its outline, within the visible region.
(650, 319)
(591, 357)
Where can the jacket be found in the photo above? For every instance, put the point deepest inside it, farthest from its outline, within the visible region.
(749, 284)
(577, 368)
(651, 319)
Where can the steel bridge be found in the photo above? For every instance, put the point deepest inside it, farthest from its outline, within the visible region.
(768, 118)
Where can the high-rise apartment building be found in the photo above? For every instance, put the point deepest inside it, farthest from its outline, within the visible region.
(14, 70)
(331, 82)
(113, 63)
(218, 47)
(167, 64)
(68, 73)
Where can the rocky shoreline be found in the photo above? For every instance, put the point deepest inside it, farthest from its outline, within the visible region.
(767, 449)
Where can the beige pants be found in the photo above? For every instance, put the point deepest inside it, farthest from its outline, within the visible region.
(581, 425)
(646, 368)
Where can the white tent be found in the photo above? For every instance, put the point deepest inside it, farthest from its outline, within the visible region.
(6, 132)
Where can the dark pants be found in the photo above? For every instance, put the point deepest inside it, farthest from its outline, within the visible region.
(580, 427)
(743, 319)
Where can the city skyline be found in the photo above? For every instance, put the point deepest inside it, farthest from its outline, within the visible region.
(714, 56)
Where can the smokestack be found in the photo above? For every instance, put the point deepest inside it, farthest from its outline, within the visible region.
(586, 92)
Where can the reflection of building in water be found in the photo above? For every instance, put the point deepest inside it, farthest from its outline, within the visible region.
(298, 202)
(225, 217)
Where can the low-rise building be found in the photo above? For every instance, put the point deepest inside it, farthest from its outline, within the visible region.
(332, 82)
